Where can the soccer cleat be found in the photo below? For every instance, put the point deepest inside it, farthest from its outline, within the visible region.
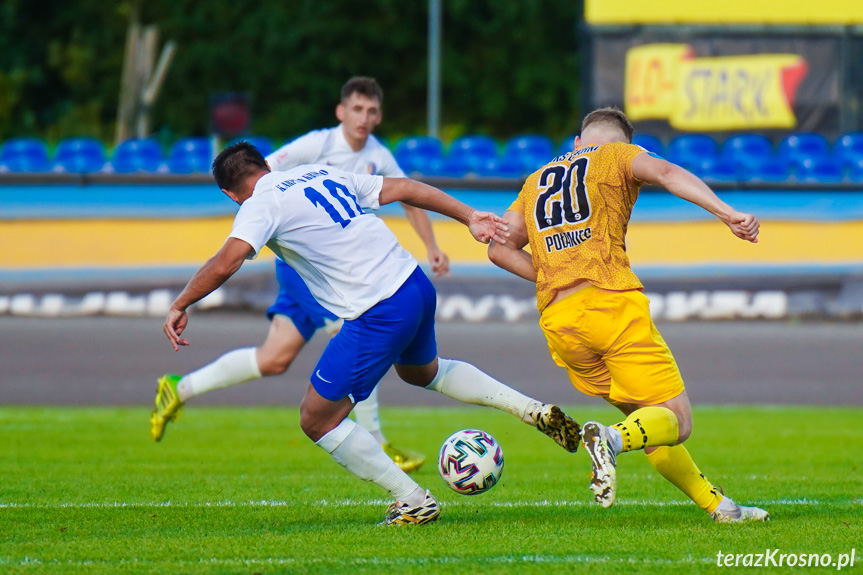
(603, 481)
(407, 460)
(402, 514)
(168, 404)
(740, 514)
(553, 422)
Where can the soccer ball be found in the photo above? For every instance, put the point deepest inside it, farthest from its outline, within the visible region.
(470, 461)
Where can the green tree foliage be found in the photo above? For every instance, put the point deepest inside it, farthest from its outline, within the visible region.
(507, 67)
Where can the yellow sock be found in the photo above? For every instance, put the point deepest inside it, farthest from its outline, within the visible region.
(648, 427)
(676, 465)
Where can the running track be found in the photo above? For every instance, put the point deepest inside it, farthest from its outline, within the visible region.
(115, 361)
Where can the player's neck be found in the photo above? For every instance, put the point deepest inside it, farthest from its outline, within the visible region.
(356, 144)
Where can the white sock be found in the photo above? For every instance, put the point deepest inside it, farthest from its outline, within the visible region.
(615, 440)
(726, 505)
(356, 450)
(367, 415)
(464, 382)
(232, 368)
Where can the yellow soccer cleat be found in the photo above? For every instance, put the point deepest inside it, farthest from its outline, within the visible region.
(400, 513)
(168, 404)
(407, 460)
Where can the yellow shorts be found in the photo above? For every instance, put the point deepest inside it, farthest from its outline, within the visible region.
(610, 347)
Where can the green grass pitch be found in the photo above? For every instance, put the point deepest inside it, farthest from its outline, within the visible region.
(85, 490)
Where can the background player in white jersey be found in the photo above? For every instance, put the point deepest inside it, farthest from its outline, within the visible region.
(313, 218)
(296, 316)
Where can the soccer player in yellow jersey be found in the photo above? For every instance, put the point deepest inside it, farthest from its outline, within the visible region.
(574, 213)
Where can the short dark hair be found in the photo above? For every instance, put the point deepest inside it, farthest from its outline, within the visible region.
(611, 116)
(236, 163)
(364, 86)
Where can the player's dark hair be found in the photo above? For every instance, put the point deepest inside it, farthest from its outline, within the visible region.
(236, 163)
(610, 116)
(364, 86)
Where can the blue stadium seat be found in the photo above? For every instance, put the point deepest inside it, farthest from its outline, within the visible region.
(80, 155)
(566, 145)
(798, 147)
(773, 169)
(25, 155)
(849, 149)
(425, 146)
(746, 148)
(718, 168)
(263, 144)
(503, 167)
(855, 170)
(190, 155)
(529, 145)
(691, 149)
(823, 169)
(483, 147)
(141, 155)
(649, 143)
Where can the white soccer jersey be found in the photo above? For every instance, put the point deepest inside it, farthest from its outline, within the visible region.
(312, 217)
(331, 148)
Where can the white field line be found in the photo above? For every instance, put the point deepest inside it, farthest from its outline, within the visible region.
(373, 502)
(515, 559)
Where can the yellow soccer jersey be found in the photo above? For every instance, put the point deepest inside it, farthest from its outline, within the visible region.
(576, 210)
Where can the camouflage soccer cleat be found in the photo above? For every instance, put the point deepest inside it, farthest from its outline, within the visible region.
(402, 514)
(407, 460)
(553, 422)
(168, 405)
(603, 481)
(740, 514)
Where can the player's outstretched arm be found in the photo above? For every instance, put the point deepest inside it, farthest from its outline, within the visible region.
(688, 186)
(511, 256)
(483, 226)
(212, 274)
(421, 223)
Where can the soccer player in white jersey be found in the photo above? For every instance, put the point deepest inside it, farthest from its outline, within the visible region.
(296, 316)
(313, 218)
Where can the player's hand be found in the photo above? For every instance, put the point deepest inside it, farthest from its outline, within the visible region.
(485, 226)
(744, 226)
(173, 327)
(439, 262)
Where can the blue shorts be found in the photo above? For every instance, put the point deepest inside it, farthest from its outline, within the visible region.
(399, 329)
(297, 302)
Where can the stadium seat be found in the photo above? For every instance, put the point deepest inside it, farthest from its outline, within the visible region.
(503, 167)
(566, 145)
(855, 170)
(767, 170)
(263, 144)
(692, 149)
(798, 147)
(473, 147)
(451, 167)
(649, 143)
(80, 155)
(418, 153)
(747, 148)
(529, 145)
(142, 155)
(718, 168)
(25, 155)
(820, 170)
(849, 149)
(190, 155)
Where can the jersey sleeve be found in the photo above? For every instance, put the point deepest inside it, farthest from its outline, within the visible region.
(367, 188)
(255, 224)
(518, 204)
(304, 150)
(627, 153)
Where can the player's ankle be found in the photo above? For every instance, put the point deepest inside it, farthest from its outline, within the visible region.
(615, 440)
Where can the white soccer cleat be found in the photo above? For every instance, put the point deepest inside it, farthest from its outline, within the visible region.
(739, 514)
(603, 481)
